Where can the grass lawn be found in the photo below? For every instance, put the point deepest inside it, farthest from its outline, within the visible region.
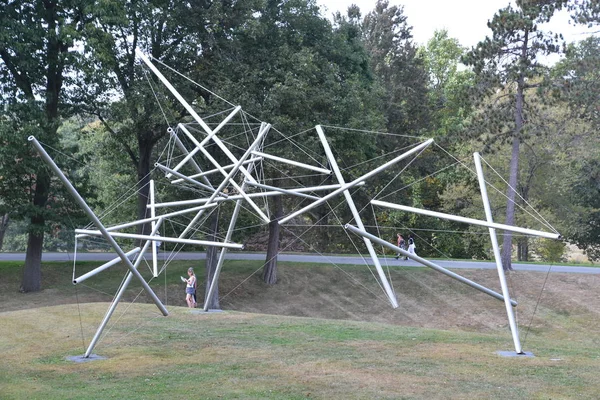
(319, 333)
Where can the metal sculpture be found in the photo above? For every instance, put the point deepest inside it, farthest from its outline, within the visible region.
(239, 177)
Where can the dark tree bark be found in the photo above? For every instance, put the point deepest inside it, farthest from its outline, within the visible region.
(143, 172)
(32, 270)
(212, 257)
(3, 226)
(523, 249)
(269, 274)
(514, 161)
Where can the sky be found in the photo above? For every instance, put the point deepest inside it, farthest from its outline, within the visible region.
(465, 20)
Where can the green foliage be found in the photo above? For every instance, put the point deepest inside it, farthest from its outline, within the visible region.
(551, 250)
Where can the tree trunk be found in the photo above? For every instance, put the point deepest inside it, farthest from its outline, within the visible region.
(143, 168)
(510, 206)
(523, 249)
(3, 225)
(514, 161)
(269, 274)
(32, 270)
(212, 257)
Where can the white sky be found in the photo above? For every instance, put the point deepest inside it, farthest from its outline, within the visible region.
(465, 20)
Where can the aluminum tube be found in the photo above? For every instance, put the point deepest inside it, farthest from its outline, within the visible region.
(214, 132)
(212, 171)
(146, 220)
(165, 239)
(185, 151)
(238, 197)
(173, 91)
(222, 146)
(153, 225)
(291, 162)
(488, 216)
(182, 176)
(119, 294)
(284, 191)
(350, 185)
(262, 132)
(97, 222)
(350, 201)
(223, 252)
(229, 177)
(428, 263)
(186, 105)
(104, 266)
(466, 220)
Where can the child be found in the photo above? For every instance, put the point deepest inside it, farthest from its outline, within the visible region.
(190, 288)
(401, 244)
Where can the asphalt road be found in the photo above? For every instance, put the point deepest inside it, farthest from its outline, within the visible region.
(306, 258)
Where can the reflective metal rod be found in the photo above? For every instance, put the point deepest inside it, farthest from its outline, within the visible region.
(119, 294)
(212, 171)
(146, 220)
(238, 197)
(104, 266)
(466, 220)
(366, 176)
(428, 263)
(292, 162)
(164, 239)
(284, 191)
(488, 216)
(350, 201)
(97, 222)
(214, 132)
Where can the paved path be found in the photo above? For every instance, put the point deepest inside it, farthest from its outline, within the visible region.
(309, 258)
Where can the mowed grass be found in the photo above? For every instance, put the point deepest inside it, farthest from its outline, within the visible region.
(254, 355)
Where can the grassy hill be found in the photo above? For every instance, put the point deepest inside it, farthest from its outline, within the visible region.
(321, 332)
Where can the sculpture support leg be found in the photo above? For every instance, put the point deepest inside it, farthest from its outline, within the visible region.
(488, 215)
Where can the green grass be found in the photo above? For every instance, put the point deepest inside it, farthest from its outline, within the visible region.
(316, 334)
(237, 355)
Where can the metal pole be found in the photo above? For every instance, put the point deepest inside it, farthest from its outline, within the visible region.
(185, 151)
(214, 132)
(347, 186)
(223, 252)
(188, 107)
(488, 216)
(146, 220)
(212, 171)
(350, 201)
(183, 177)
(252, 195)
(427, 263)
(164, 239)
(228, 177)
(466, 220)
(97, 222)
(291, 162)
(283, 191)
(104, 266)
(153, 226)
(119, 295)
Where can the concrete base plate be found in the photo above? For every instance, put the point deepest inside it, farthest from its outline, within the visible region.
(82, 359)
(201, 311)
(515, 354)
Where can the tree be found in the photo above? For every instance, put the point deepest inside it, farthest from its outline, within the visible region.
(575, 81)
(188, 35)
(37, 42)
(398, 68)
(508, 60)
(292, 68)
